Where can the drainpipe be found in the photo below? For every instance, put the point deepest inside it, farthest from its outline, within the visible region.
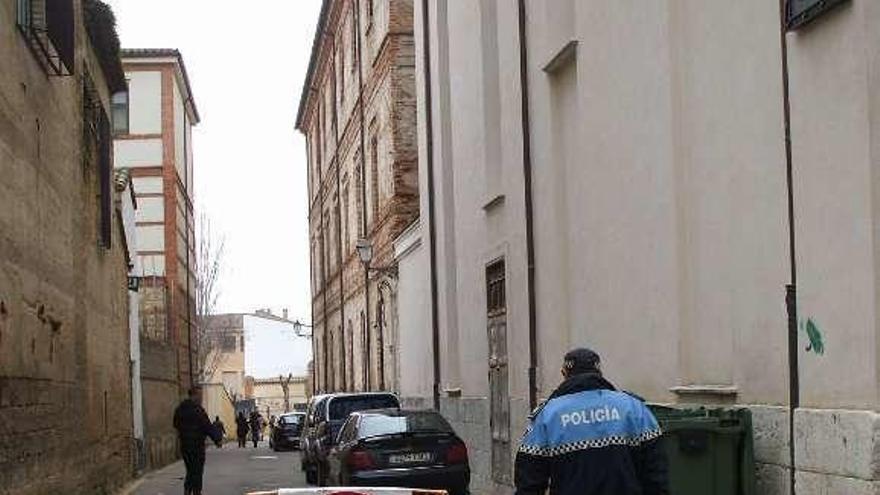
(336, 90)
(527, 192)
(432, 223)
(363, 179)
(791, 288)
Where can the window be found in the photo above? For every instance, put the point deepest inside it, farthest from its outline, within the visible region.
(359, 193)
(346, 230)
(374, 175)
(348, 431)
(119, 113)
(353, 36)
(801, 12)
(97, 142)
(227, 343)
(496, 299)
(48, 27)
(408, 422)
(341, 407)
(341, 58)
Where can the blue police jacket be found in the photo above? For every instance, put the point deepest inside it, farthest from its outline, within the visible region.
(590, 439)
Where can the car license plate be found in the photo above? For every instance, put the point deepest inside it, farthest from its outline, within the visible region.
(414, 458)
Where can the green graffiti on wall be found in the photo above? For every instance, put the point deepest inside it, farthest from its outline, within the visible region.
(814, 336)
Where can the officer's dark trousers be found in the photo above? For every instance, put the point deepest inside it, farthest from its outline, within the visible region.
(194, 460)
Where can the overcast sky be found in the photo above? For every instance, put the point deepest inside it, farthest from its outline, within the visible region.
(246, 62)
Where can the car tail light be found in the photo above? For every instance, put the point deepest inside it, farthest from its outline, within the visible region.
(360, 460)
(457, 454)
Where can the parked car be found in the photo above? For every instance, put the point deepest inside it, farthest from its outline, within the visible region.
(409, 449)
(286, 433)
(325, 421)
(308, 436)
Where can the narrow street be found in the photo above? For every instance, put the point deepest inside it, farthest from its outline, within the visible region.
(231, 471)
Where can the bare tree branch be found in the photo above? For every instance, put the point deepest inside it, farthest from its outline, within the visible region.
(209, 262)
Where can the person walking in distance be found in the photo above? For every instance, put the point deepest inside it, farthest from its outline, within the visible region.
(220, 427)
(256, 427)
(590, 439)
(241, 427)
(193, 426)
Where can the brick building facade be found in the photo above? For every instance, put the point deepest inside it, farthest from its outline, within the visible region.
(155, 146)
(358, 114)
(65, 410)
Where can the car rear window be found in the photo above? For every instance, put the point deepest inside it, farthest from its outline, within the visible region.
(341, 407)
(292, 420)
(421, 422)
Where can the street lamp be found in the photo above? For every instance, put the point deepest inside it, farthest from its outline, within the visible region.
(298, 329)
(365, 253)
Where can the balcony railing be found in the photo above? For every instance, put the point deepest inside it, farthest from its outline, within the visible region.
(48, 26)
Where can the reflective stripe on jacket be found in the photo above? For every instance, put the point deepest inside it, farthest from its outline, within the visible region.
(590, 439)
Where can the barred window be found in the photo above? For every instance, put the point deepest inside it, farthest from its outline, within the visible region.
(496, 298)
(48, 27)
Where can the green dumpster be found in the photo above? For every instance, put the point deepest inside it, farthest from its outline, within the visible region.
(710, 450)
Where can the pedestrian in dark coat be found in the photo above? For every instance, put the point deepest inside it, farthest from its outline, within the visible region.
(193, 426)
(590, 439)
(256, 427)
(241, 426)
(220, 427)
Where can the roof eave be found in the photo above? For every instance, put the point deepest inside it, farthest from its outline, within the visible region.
(129, 53)
(313, 61)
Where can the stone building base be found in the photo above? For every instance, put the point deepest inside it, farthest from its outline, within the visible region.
(469, 416)
(836, 451)
(161, 450)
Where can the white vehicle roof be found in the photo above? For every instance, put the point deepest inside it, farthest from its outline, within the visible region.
(350, 491)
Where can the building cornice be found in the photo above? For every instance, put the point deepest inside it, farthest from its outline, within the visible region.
(317, 47)
(132, 56)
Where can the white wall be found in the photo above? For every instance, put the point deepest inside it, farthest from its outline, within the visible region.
(137, 153)
(835, 102)
(659, 186)
(151, 238)
(151, 209)
(128, 210)
(148, 185)
(414, 353)
(145, 95)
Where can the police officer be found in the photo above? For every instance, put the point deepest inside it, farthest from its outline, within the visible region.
(590, 439)
(193, 426)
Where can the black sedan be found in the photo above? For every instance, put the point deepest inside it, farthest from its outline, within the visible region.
(408, 449)
(286, 433)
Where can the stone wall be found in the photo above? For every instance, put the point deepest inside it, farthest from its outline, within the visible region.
(65, 406)
(161, 395)
(836, 451)
(469, 417)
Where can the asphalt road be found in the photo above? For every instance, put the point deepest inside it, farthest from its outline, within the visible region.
(231, 471)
